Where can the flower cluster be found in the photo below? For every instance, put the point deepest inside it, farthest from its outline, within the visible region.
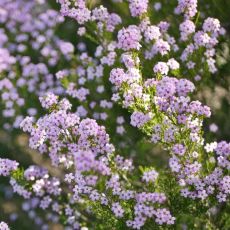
(83, 148)
(4, 226)
(188, 7)
(177, 124)
(138, 7)
(6, 166)
(82, 14)
(125, 68)
(129, 38)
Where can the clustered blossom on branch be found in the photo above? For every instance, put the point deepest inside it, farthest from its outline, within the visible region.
(6, 166)
(147, 66)
(177, 124)
(83, 148)
(161, 106)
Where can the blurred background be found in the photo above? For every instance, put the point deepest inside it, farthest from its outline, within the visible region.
(214, 91)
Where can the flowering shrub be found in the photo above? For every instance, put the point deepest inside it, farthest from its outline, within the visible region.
(86, 109)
